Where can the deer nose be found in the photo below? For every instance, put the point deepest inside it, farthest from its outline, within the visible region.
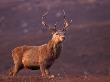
(63, 37)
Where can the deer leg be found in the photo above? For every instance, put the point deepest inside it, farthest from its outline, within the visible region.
(11, 71)
(42, 69)
(15, 70)
(47, 72)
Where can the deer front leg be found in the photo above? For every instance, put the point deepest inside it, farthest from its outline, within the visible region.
(42, 69)
(47, 72)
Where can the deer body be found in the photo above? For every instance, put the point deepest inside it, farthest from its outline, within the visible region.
(32, 56)
(39, 57)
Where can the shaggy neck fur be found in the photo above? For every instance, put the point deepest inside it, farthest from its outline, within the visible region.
(54, 48)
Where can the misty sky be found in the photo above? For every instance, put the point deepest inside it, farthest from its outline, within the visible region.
(27, 13)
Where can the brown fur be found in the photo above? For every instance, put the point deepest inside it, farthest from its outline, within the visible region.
(35, 57)
(40, 57)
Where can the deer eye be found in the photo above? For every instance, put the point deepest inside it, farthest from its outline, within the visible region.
(57, 34)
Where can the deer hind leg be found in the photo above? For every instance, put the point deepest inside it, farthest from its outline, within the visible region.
(11, 71)
(17, 65)
(15, 69)
(17, 60)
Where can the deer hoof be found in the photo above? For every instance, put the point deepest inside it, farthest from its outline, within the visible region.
(51, 76)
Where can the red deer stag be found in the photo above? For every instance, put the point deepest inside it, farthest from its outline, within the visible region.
(40, 57)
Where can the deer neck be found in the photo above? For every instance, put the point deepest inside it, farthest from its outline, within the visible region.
(52, 43)
(54, 48)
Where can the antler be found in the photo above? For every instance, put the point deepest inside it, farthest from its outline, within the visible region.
(66, 23)
(46, 25)
(43, 22)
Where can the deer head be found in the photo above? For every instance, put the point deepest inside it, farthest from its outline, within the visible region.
(57, 34)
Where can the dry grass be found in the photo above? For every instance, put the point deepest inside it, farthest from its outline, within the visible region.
(66, 78)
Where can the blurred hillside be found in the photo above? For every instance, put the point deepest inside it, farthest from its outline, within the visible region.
(87, 46)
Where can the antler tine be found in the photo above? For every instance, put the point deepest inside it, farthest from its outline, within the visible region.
(66, 23)
(46, 25)
(43, 22)
(64, 14)
(55, 25)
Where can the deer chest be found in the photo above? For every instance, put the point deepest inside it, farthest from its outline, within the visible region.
(56, 51)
